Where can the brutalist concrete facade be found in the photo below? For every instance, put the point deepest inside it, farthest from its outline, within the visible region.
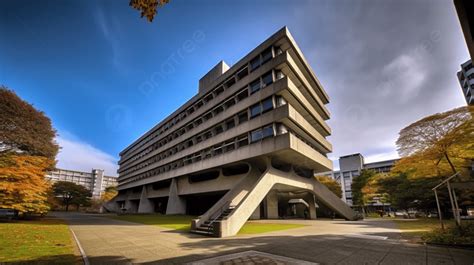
(248, 143)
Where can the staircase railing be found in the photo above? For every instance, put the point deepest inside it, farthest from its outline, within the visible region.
(220, 212)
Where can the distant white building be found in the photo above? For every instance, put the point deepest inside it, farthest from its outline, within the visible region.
(95, 181)
(350, 168)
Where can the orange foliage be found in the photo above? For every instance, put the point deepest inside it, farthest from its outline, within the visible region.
(22, 183)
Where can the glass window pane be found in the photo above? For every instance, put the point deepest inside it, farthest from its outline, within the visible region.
(256, 135)
(255, 86)
(267, 78)
(267, 104)
(255, 110)
(267, 131)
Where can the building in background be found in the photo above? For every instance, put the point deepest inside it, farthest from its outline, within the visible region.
(350, 167)
(466, 80)
(95, 181)
(246, 146)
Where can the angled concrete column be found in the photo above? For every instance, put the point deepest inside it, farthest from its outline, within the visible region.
(272, 205)
(146, 205)
(312, 207)
(176, 204)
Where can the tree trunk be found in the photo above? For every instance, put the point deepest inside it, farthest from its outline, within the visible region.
(67, 207)
(450, 163)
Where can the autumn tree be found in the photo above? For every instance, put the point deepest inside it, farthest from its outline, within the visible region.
(359, 198)
(27, 152)
(22, 183)
(331, 184)
(70, 193)
(24, 129)
(148, 8)
(441, 144)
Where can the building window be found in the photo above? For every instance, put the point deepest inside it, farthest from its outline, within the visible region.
(267, 78)
(255, 63)
(261, 107)
(230, 124)
(266, 55)
(262, 133)
(267, 104)
(243, 117)
(243, 95)
(255, 86)
(255, 110)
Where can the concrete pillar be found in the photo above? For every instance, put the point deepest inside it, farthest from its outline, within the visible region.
(256, 214)
(272, 205)
(176, 204)
(312, 207)
(146, 205)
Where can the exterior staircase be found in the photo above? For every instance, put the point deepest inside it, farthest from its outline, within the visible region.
(231, 212)
(207, 228)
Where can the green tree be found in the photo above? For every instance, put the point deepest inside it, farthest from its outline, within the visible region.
(358, 184)
(70, 193)
(405, 192)
(148, 8)
(331, 184)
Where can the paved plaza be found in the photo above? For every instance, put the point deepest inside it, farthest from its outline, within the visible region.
(108, 241)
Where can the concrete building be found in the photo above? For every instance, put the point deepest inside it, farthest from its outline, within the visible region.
(95, 181)
(465, 10)
(350, 168)
(466, 80)
(246, 146)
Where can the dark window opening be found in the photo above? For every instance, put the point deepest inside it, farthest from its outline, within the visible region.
(230, 124)
(219, 90)
(266, 55)
(243, 95)
(243, 117)
(255, 63)
(230, 82)
(203, 176)
(243, 73)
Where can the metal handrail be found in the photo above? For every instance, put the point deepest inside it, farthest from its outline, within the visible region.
(221, 210)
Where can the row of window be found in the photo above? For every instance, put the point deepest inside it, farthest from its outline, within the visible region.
(228, 124)
(261, 59)
(232, 100)
(215, 150)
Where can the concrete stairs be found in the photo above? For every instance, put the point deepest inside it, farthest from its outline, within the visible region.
(207, 228)
(236, 207)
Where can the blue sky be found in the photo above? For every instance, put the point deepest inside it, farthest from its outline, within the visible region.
(105, 76)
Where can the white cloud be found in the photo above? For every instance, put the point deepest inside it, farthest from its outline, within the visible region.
(78, 155)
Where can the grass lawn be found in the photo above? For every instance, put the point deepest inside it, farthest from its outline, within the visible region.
(183, 223)
(176, 222)
(258, 228)
(413, 229)
(44, 241)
